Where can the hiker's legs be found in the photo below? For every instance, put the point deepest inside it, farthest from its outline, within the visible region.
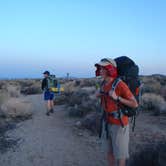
(49, 105)
(113, 162)
(52, 104)
(121, 162)
(110, 155)
(119, 145)
(49, 96)
(111, 159)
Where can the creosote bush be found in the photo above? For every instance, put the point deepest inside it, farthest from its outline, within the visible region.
(153, 102)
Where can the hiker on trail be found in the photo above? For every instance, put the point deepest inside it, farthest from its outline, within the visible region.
(48, 95)
(112, 101)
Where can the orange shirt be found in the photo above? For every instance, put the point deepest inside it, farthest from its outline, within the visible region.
(110, 105)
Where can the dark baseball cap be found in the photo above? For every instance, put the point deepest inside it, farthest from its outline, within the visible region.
(47, 72)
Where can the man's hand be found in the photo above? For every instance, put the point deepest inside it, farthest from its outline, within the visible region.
(98, 94)
(113, 95)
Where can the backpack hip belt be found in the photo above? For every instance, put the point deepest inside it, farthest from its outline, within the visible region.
(116, 114)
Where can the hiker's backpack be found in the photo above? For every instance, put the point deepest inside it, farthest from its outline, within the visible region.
(52, 83)
(128, 72)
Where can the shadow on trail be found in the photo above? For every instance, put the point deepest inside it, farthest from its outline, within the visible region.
(6, 142)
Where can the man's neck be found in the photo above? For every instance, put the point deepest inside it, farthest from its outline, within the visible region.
(109, 79)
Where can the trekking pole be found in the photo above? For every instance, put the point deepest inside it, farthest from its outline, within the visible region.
(133, 127)
(101, 127)
(98, 110)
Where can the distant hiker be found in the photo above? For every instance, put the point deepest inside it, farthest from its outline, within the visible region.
(114, 94)
(48, 94)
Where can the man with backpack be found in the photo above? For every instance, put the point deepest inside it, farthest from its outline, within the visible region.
(48, 94)
(115, 96)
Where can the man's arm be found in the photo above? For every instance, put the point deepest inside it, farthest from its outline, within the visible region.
(128, 102)
(43, 85)
(127, 98)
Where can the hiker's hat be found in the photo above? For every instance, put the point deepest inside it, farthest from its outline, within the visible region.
(47, 72)
(106, 61)
(108, 64)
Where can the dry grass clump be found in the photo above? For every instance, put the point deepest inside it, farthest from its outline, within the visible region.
(33, 89)
(160, 78)
(92, 122)
(77, 97)
(79, 102)
(154, 93)
(29, 87)
(152, 88)
(163, 92)
(150, 85)
(3, 97)
(13, 90)
(60, 99)
(25, 83)
(11, 105)
(70, 87)
(151, 154)
(87, 82)
(10, 87)
(2, 84)
(16, 108)
(8, 91)
(156, 103)
(153, 84)
(74, 94)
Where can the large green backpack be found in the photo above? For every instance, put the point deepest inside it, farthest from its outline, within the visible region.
(52, 82)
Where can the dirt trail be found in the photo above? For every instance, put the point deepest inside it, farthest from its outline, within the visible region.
(51, 141)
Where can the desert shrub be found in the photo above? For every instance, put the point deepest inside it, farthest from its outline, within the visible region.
(151, 87)
(76, 111)
(25, 83)
(82, 109)
(153, 84)
(156, 103)
(60, 100)
(160, 78)
(163, 92)
(77, 97)
(80, 103)
(13, 90)
(150, 155)
(3, 97)
(92, 122)
(89, 90)
(70, 87)
(87, 82)
(76, 85)
(80, 97)
(33, 89)
(16, 108)
(2, 84)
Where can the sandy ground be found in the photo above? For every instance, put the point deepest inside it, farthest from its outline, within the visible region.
(52, 141)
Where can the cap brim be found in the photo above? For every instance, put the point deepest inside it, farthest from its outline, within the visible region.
(102, 64)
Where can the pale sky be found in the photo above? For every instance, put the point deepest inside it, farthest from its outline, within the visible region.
(71, 35)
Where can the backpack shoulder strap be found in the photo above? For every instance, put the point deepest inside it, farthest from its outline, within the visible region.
(115, 83)
(101, 86)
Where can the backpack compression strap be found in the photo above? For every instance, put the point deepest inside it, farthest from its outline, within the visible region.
(114, 85)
